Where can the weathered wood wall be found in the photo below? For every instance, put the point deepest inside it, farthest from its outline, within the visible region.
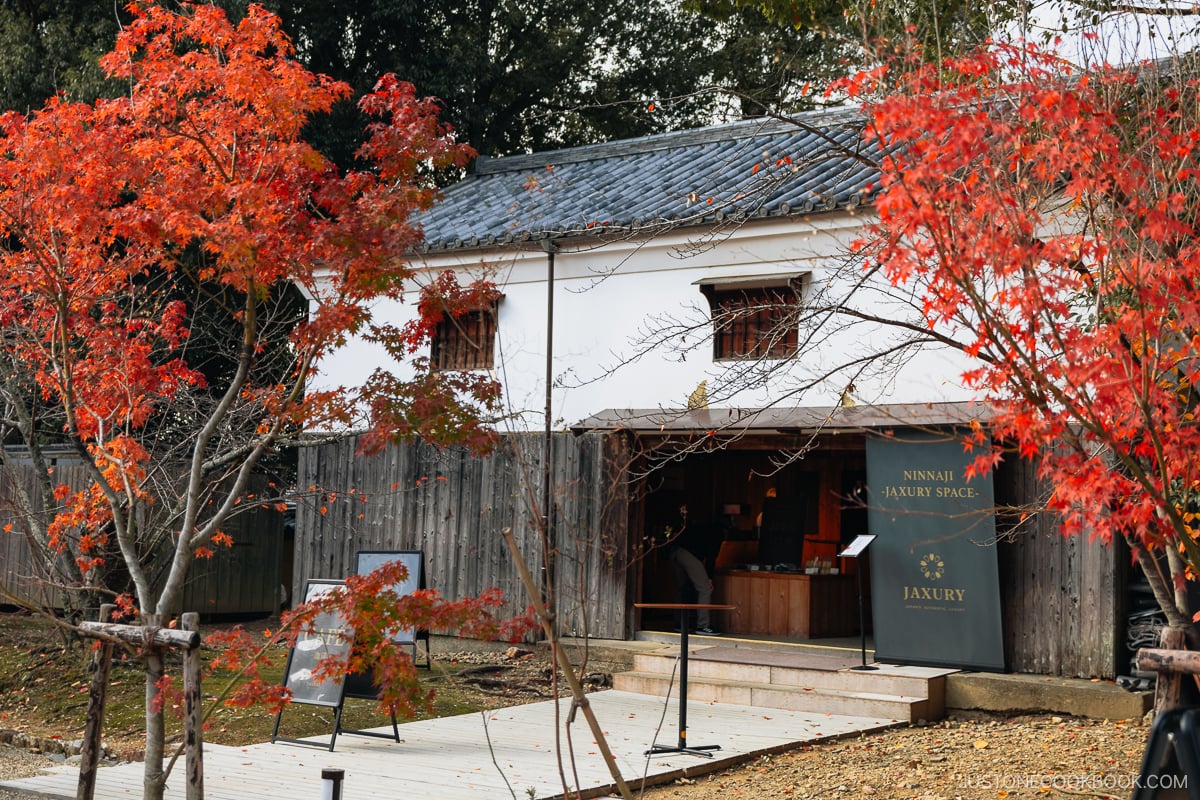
(453, 506)
(1062, 598)
(25, 578)
(240, 580)
(243, 579)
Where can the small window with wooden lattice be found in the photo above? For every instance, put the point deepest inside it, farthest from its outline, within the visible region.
(466, 341)
(754, 321)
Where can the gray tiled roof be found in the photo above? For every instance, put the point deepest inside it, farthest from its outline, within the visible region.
(755, 168)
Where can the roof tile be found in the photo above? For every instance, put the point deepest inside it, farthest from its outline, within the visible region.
(754, 168)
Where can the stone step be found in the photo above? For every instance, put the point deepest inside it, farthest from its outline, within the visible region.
(801, 679)
(778, 670)
(789, 698)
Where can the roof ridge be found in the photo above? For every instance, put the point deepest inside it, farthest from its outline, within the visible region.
(741, 129)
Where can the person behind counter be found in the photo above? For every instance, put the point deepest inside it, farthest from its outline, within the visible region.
(691, 576)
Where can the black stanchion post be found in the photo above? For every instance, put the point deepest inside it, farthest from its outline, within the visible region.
(685, 620)
(331, 783)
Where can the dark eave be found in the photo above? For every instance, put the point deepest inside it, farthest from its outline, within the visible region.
(789, 420)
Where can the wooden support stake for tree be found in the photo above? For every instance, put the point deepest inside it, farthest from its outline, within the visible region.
(1169, 685)
(89, 751)
(1164, 661)
(154, 640)
(139, 635)
(193, 722)
(564, 663)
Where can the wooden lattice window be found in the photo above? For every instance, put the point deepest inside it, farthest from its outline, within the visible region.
(754, 321)
(466, 341)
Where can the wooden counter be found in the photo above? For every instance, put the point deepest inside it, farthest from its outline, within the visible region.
(788, 604)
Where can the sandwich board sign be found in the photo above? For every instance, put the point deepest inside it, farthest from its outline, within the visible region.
(331, 636)
(414, 560)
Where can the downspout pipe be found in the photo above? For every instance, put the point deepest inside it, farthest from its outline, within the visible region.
(549, 573)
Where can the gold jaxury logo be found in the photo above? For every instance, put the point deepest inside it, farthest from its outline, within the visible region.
(932, 567)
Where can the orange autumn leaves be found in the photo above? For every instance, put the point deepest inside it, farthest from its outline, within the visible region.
(372, 611)
(198, 176)
(1046, 220)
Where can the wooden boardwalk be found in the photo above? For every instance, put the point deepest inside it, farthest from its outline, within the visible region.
(507, 754)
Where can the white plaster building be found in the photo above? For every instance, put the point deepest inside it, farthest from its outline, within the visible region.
(715, 346)
(643, 234)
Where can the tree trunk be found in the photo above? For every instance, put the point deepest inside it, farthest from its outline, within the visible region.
(152, 779)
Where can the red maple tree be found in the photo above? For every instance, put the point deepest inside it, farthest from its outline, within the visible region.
(198, 179)
(373, 613)
(1046, 219)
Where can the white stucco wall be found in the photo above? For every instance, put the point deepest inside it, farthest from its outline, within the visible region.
(609, 298)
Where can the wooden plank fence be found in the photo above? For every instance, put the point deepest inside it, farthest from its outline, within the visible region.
(453, 506)
(1062, 597)
(26, 569)
(239, 580)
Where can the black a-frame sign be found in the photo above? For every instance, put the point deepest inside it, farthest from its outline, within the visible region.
(333, 636)
(1171, 762)
(368, 561)
(362, 685)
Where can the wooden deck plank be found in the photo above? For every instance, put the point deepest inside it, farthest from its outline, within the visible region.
(450, 758)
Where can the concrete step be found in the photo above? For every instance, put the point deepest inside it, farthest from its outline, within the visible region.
(789, 698)
(779, 671)
(799, 680)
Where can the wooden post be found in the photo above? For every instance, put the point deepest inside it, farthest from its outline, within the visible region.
(154, 641)
(89, 752)
(193, 724)
(1169, 684)
(1186, 662)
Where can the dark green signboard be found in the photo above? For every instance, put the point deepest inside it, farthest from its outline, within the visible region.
(935, 591)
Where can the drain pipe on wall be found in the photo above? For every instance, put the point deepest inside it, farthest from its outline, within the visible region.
(551, 544)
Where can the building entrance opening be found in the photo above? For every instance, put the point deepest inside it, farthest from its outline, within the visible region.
(734, 527)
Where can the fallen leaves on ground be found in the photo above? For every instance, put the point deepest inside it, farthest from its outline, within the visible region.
(965, 757)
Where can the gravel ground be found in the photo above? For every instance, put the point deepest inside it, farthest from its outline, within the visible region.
(961, 758)
(18, 763)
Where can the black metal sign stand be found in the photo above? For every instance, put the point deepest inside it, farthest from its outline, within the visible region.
(331, 636)
(370, 560)
(854, 550)
(337, 635)
(684, 610)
